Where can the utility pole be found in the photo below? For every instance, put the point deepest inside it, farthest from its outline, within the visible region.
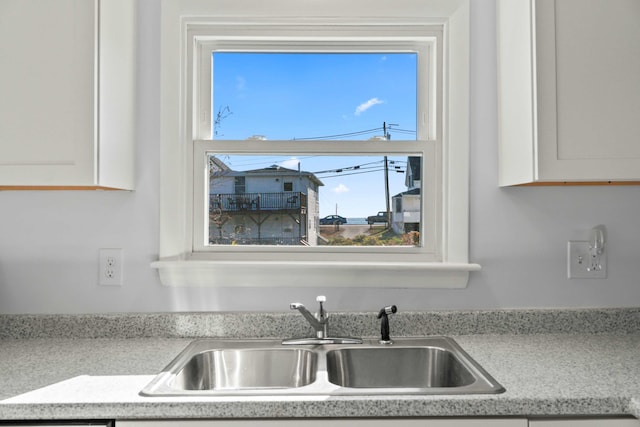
(387, 137)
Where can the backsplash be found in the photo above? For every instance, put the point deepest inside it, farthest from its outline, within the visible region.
(283, 325)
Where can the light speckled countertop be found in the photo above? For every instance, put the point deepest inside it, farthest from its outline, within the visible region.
(53, 371)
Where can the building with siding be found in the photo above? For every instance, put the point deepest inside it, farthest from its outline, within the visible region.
(269, 206)
(405, 215)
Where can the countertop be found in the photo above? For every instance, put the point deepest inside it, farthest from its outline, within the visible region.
(544, 373)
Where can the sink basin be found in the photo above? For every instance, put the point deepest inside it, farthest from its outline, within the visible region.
(397, 367)
(220, 367)
(430, 365)
(259, 368)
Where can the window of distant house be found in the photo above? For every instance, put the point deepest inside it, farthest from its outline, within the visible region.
(240, 186)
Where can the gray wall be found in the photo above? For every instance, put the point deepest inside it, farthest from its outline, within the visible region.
(49, 240)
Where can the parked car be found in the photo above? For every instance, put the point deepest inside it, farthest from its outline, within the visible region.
(333, 220)
(379, 217)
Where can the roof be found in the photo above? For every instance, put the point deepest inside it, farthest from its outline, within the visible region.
(412, 192)
(273, 170)
(218, 164)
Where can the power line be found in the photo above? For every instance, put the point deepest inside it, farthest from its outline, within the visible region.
(266, 162)
(357, 133)
(407, 131)
(356, 173)
(272, 161)
(342, 172)
(391, 162)
(347, 167)
(342, 135)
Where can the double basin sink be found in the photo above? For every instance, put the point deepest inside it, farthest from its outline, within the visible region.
(431, 365)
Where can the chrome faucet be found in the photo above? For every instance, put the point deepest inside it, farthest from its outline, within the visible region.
(320, 323)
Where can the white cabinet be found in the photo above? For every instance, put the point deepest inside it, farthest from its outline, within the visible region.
(381, 422)
(586, 422)
(67, 75)
(569, 92)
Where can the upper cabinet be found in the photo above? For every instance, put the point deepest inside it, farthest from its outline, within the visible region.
(67, 94)
(569, 91)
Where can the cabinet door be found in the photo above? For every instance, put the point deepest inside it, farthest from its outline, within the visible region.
(585, 422)
(47, 112)
(382, 422)
(588, 63)
(67, 93)
(569, 93)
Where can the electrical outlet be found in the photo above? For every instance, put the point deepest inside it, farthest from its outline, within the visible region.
(110, 267)
(581, 266)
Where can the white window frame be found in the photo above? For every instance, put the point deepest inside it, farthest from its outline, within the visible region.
(192, 28)
(426, 41)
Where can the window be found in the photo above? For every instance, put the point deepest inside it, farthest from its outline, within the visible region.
(338, 93)
(253, 236)
(240, 186)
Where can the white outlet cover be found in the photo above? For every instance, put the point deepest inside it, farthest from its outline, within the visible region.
(578, 261)
(110, 273)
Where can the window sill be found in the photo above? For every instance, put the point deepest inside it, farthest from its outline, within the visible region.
(179, 273)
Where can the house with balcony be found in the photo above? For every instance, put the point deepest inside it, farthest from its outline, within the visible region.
(268, 206)
(405, 215)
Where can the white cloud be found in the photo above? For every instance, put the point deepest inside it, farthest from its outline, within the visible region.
(241, 84)
(366, 105)
(341, 188)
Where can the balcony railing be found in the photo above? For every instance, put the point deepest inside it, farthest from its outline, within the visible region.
(258, 202)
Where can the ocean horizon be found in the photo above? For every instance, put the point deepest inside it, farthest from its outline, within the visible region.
(357, 221)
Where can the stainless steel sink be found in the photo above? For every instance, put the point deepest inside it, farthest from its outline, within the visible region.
(397, 367)
(238, 369)
(431, 365)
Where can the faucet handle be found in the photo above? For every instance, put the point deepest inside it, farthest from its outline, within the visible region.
(322, 315)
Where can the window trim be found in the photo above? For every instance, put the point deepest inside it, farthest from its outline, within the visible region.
(180, 266)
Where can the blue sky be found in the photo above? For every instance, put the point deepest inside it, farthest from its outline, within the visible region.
(311, 96)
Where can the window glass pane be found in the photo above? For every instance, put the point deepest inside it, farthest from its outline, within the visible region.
(314, 200)
(311, 96)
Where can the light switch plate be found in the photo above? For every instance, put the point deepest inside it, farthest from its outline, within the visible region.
(578, 262)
